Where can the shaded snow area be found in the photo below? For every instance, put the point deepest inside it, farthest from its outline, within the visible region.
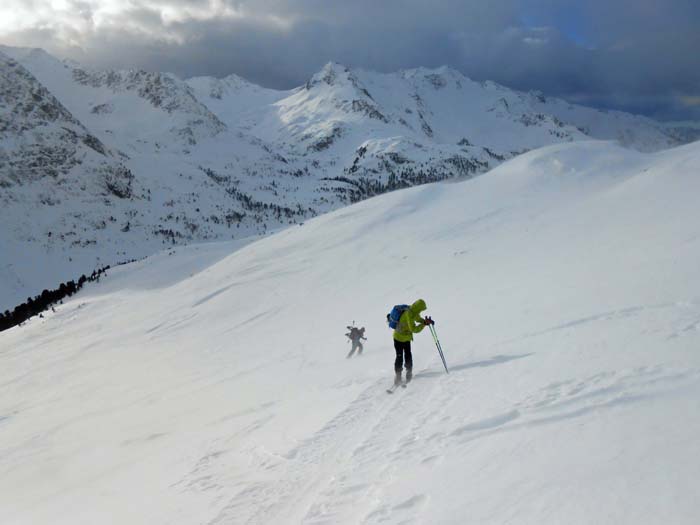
(209, 384)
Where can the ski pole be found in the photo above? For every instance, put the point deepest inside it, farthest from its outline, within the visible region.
(439, 347)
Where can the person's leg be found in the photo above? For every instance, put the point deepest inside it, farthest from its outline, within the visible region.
(398, 363)
(409, 361)
(359, 348)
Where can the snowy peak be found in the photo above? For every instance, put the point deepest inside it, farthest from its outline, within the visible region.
(233, 97)
(32, 57)
(218, 88)
(332, 74)
(432, 107)
(438, 78)
(684, 131)
(341, 84)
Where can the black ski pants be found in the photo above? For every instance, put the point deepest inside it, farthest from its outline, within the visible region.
(403, 351)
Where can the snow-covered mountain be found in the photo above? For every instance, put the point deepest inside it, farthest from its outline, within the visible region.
(685, 131)
(154, 160)
(42, 139)
(208, 384)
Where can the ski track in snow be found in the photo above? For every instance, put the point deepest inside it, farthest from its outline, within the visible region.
(361, 450)
(316, 465)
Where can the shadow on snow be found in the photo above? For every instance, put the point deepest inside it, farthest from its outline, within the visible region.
(495, 360)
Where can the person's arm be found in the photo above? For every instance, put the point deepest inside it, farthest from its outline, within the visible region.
(417, 325)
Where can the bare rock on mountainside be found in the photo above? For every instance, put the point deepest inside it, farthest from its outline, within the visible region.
(162, 90)
(40, 138)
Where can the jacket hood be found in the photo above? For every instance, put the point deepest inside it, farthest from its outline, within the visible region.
(418, 306)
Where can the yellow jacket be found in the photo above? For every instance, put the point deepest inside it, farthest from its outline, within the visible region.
(410, 322)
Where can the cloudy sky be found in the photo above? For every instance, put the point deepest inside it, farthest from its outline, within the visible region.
(637, 55)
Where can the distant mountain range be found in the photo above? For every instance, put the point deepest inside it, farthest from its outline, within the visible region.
(102, 166)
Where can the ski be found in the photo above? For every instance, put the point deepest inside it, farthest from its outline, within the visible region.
(393, 387)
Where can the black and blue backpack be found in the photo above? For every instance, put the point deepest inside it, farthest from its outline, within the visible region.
(392, 318)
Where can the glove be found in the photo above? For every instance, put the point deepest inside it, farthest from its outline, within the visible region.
(428, 321)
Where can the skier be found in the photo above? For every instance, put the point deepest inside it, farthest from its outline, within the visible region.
(356, 335)
(409, 323)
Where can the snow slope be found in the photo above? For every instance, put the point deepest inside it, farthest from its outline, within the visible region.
(208, 384)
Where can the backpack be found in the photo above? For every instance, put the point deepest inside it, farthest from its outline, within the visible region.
(392, 318)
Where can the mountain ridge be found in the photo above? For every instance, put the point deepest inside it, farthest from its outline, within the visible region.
(211, 159)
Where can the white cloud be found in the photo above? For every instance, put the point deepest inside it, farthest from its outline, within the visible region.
(73, 23)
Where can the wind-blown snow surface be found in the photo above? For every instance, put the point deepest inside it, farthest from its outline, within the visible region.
(209, 384)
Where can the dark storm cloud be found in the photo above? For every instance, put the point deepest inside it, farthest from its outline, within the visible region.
(640, 55)
(636, 55)
(376, 35)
